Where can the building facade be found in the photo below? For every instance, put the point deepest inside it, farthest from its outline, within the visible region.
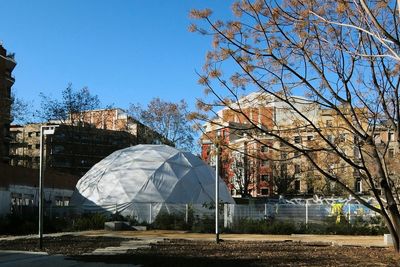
(257, 164)
(71, 149)
(81, 141)
(7, 64)
(117, 119)
(19, 191)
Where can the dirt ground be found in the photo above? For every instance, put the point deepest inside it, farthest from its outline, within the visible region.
(207, 253)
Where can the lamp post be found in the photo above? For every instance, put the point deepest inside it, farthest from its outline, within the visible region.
(217, 188)
(44, 130)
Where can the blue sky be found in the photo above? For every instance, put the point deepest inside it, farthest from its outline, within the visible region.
(125, 51)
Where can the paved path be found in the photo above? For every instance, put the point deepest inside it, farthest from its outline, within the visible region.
(40, 259)
(340, 240)
(145, 238)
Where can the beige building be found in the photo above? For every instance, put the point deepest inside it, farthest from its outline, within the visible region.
(7, 64)
(268, 165)
(117, 119)
(81, 142)
(71, 149)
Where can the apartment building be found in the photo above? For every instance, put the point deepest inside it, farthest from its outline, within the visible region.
(71, 149)
(117, 119)
(7, 64)
(81, 141)
(256, 164)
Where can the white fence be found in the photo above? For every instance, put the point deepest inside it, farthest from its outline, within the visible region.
(305, 211)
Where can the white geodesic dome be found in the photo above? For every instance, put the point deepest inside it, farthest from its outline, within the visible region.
(158, 175)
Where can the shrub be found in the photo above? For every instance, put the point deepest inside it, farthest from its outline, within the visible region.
(89, 221)
(204, 224)
(173, 221)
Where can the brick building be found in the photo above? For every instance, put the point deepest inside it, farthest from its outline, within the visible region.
(255, 164)
(7, 64)
(117, 119)
(82, 141)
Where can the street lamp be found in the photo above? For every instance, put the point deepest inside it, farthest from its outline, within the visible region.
(217, 187)
(44, 130)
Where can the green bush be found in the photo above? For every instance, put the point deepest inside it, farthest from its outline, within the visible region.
(329, 226)
(251, 226)
(204, 224)
(17, 224)
(89, 221)
(173, 221)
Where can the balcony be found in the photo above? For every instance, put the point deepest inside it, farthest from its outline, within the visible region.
(17, 144)
(9, 61)
(9, 76)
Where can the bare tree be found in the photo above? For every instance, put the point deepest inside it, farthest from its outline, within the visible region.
(167, 118)
(241, 179)
(332, 67)
(19, 109)
(72, 102)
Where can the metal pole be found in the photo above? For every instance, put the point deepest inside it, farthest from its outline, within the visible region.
(150, 217)
(41, 189)
(187, 213)
(306, 213)
(216, 192)
(44, 130)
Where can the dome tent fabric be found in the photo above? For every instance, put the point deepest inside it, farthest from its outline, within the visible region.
(140, 174)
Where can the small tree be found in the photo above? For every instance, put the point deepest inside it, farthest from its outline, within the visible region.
(314, 60)
(167, 118)
(240, 170)
(283, 180)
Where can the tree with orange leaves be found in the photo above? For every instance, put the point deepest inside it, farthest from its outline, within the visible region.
(339, 57)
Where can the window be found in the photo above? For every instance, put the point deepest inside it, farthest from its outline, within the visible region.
(61, 201)
(16, 199)
(37, 134)
(297, 169)
(331, 168)
(358, 185)
(297, 185)
(342, 137)
(310, 138)
(264, 163)
(283, 170)
(330, 138)
(391, 153)
(29, 146)
(329, 123)
(390, 137)
(37, 146)
(265, 177)
(264, 191)
(284, 155)
(264, 148)
(296, 154)
(297, 139)
(30, 134)
(376, 138)
(60, 148)
(27, 200)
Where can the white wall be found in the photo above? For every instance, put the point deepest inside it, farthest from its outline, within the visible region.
(49, 194)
